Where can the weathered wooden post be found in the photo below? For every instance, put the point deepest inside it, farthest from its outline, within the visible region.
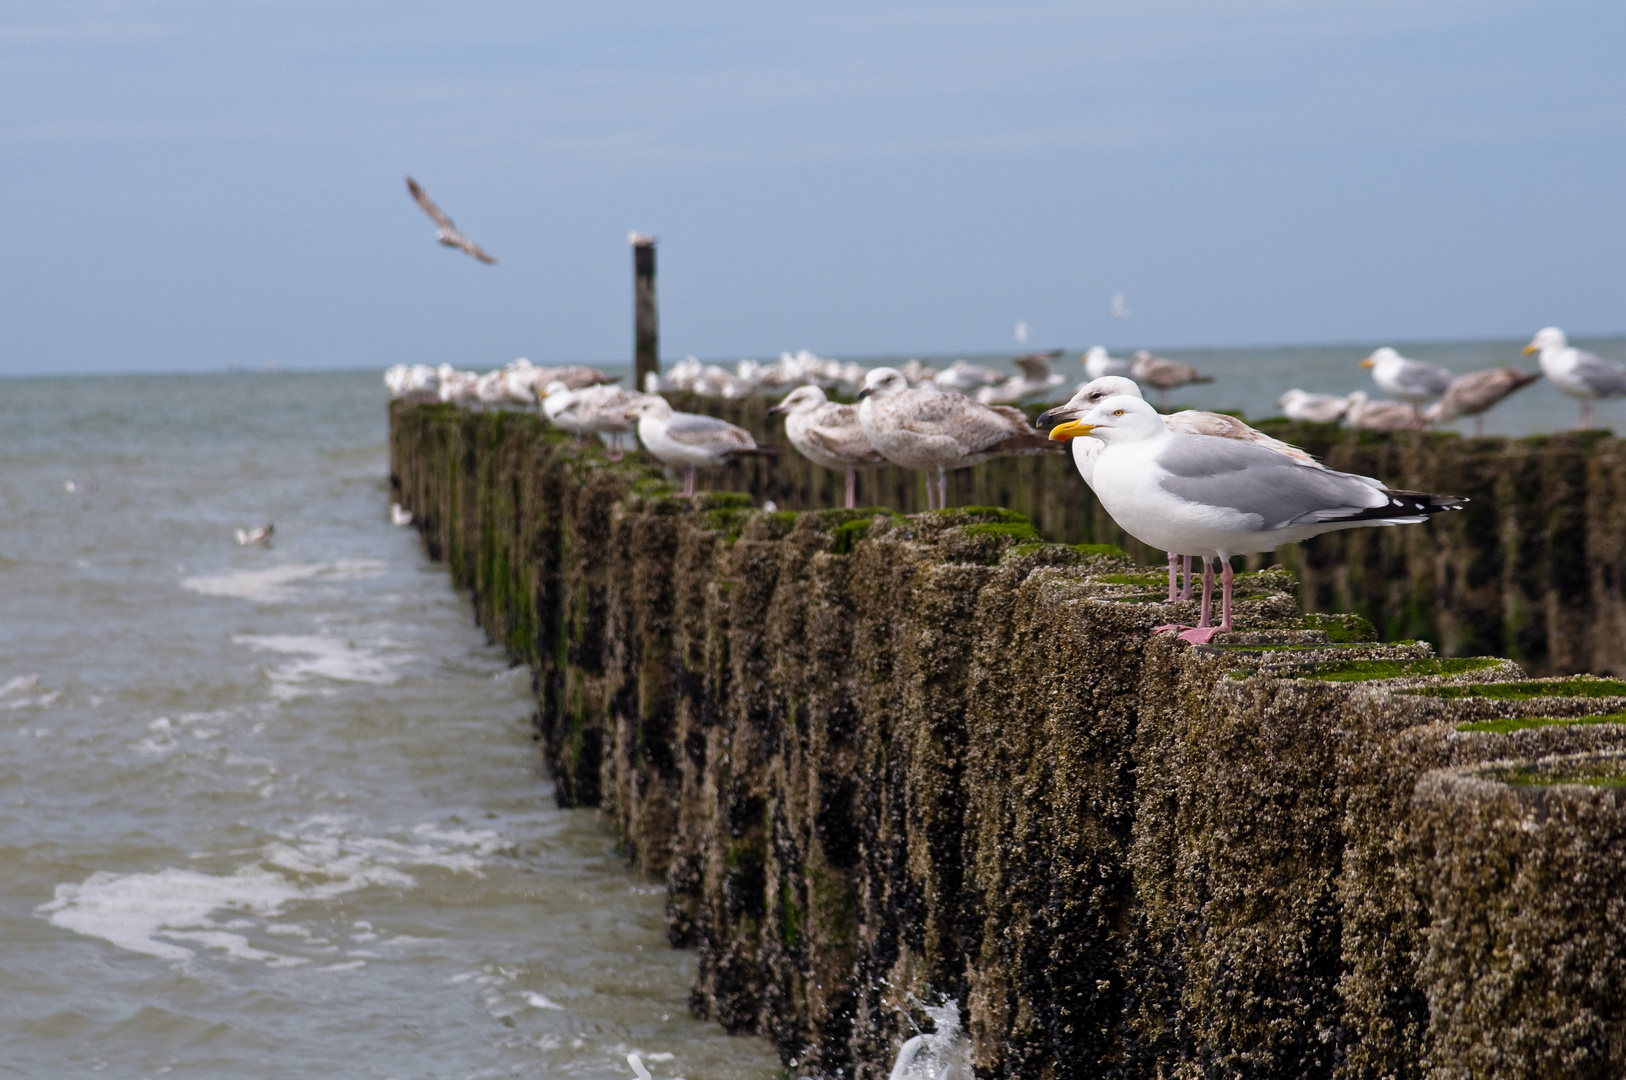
(646, 331)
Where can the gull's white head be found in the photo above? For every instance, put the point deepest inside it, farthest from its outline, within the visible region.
(1087, 397)
(1380, 356)
(1548, 337)
(1119, 418)
(881, 381)
(800, 400)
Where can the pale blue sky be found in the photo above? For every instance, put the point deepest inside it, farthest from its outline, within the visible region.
(195, 185)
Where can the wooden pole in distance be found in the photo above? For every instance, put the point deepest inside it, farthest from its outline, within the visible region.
(646, 328)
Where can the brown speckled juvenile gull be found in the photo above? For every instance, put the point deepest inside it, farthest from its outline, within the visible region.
(929, 429)
(1476, 393)
(607, 410)
(828, 434)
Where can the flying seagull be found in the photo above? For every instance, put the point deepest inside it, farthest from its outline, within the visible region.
(448, 233)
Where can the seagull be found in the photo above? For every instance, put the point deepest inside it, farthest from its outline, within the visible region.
(916, 372)
(1186, 422)
(1098, 364)
(1215, 497)
(1163, 375)
(605, 410)
(1118, 308)
(691, 440)
(1035, 380)
(1381, 415)
(926, 428)
(1476, 393)
(828, 434)
(964, 377)
(1575, 372)
(1299, 404)
(400, 515)
(251, 537)
(448, 234)
(1407, 379)
(1021, 333)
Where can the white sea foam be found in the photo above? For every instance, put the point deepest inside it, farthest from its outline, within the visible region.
(152, 913)
(323, 657)
(277, 584)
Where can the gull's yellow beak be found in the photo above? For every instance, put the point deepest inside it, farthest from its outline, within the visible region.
(1070, 430)
(1530, 348)
(1367, 362)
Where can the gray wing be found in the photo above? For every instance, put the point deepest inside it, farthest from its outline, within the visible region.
(1420, 378)
(697, 430)
(1605, 378)
(427, 205)
(1279, 491)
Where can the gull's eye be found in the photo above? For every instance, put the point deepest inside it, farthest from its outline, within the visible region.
(1117, 412)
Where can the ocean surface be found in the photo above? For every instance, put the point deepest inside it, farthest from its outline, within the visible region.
(271, 812)
(277, 812)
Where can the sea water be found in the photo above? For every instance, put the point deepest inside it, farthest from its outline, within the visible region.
(277, 812)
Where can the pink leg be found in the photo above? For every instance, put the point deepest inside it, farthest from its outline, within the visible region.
(1174, 577)
(1205, 633)
(688, 481)
(852, 488)
(942, 488)
(616, 453)
(1185, 593)
(1586, 414)
(931, 493)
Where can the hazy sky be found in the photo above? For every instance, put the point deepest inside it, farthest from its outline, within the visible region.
(193, 184)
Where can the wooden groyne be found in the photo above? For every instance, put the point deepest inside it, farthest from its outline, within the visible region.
(884, 759)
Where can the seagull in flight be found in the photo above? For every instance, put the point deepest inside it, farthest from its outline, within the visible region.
(448, 233)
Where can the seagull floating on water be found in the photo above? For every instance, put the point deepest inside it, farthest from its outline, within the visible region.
(448, 234)
(1215, 497)
(828, 434)
(1476, 393)
(930, 429)
(691, 441)
(1575, 372)
(260, 536)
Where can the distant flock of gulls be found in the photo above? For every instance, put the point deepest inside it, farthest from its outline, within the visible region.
(1195, 484)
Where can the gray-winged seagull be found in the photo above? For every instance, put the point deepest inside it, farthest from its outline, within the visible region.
(691, 441)
(1215, 497)
(1575, 372)
(448, 234)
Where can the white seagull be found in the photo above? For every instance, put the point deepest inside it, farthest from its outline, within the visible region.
(260, 537)
(1409, 380)
(828, 434)
(1098, 363)
(1214, 497)
(1575, 372)
(1299, 404)
(691, 441)
(1186, 421)
(1034, 382)
(929, 429)
(448, 234)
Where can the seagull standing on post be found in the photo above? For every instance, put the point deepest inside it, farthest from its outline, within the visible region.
(1575, 372)
(448, 234)
(828, 433)
(1412, 381)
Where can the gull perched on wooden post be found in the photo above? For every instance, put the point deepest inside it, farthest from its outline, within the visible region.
(1575, 372)
(1476, 393)
(1299, 404)
(1409, 380)
(448, 234)
(828, 433)
(935, 430)
(1214, 497)
(691, 441)
(1186, 421)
